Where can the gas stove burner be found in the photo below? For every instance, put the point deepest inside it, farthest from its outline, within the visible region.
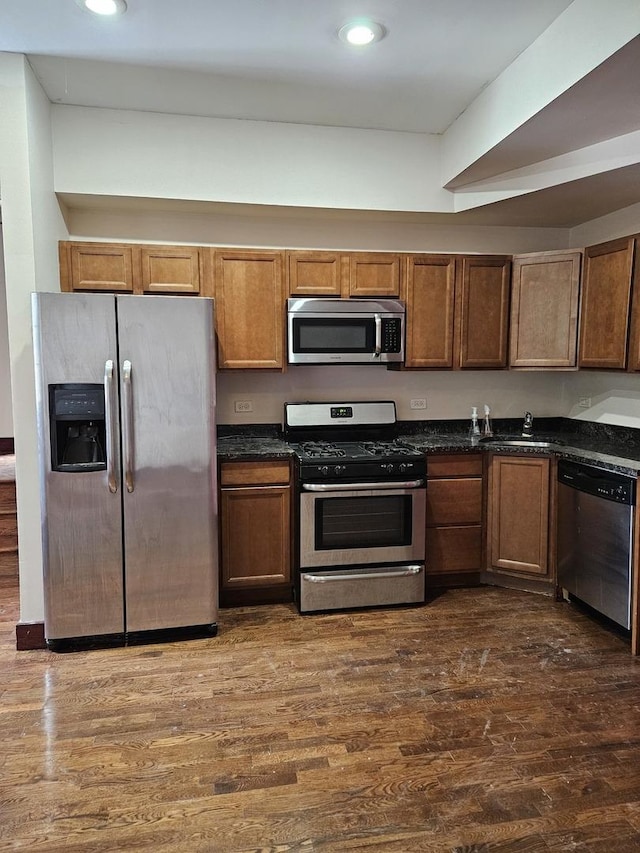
(322, 449)
(386, 448)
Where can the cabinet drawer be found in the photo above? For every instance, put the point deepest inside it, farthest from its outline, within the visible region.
(454, 549)
(7, 496)
(454, 501)
(273, 472)
(450, 465)
(8, 532)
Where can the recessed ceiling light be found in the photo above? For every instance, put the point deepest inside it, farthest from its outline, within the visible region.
(361, 33)
(104, 7)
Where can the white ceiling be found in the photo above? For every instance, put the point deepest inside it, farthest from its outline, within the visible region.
(281, 60)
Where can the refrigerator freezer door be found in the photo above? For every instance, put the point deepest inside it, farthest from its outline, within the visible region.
(74, 339)
(167, 375)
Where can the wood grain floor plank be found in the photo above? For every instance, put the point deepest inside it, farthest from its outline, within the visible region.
(488, 720)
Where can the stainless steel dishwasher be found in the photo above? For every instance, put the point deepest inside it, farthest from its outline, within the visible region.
(595, 528)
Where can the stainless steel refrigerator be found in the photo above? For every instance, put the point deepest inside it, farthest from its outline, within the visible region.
(126, 415)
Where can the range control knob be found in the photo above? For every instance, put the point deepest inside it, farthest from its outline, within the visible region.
(339, 469)
(402, 467)
(324, 470)
(389, 467)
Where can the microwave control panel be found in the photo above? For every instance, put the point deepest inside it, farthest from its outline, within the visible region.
(391, 334)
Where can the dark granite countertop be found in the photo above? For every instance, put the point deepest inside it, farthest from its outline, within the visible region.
(606, 446)
(253, 442)
(612, 447)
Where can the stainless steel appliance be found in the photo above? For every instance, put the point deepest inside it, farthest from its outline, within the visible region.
(345, 331)
(362, 505)
(595, 525)
(125, 396)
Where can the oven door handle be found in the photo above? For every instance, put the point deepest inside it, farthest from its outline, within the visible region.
(328, 577)
(360, 487)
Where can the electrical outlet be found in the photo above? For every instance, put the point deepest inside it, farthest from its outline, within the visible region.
(419, 403)
(584, 402)
(243, 406)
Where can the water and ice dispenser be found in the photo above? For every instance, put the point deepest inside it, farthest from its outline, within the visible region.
(77, 423)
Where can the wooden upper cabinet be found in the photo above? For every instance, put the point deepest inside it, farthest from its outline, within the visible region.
(482, 311)
(430, 297)
(605, 307)
(97, 266)
(135, 268)
(171, 269)
(544, 310)
(315, 273)
(250, 308)
(633, 359)
(374, 274)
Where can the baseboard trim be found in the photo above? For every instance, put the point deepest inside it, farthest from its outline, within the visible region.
(30, 635)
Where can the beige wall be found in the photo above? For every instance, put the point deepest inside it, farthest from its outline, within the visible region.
(32, 225)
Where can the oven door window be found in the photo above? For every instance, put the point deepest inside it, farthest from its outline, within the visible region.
(334, 335)
(370, 521)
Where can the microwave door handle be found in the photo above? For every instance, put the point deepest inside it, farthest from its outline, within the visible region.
(378, 322)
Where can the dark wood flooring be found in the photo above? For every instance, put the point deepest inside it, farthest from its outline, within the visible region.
(488, 720)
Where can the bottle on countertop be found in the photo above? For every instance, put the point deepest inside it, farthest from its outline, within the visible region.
(487, 429)
(474, 426)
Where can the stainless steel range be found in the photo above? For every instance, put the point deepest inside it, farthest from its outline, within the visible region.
(362, 505)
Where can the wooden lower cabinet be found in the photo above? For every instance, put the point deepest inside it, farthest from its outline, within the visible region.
(8, 530)
(255, 532)
(454, 519)
(519, 520)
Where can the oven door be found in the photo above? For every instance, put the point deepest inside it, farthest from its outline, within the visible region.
(363, 525)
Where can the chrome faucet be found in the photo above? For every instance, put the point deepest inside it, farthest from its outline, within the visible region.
(527, 426)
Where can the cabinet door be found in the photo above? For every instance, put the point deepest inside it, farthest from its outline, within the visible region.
(255, 537)
(606, 297)
(97, 266)
(519, 514)
(250, 309)
(544, 310)
(633, 360)
(482, 311)
(315, 273)
(374, 274)
(430, 298)
(171, 269)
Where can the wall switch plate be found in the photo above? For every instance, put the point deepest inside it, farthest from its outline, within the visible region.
(243, 406)
(584, 402)
(419, 403)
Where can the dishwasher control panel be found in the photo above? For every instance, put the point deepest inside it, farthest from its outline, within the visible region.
(602, 483)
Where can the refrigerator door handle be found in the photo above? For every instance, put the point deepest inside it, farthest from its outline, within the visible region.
(127, 423)
(110, 426)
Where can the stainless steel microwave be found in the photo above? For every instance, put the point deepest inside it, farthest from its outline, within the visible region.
(345, 331)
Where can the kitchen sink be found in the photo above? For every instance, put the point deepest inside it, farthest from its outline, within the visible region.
(509, 441)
